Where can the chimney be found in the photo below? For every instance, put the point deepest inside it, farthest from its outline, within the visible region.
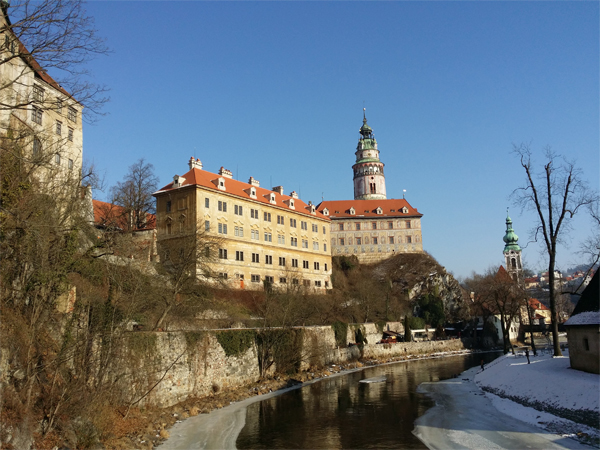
(278, 189)
(293, 194)
(225, 173)
(253, 182)
(195, 163)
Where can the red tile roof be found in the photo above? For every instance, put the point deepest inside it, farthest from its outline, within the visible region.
(113, 216)
(534, 304)
(368, 208)
(209, 180)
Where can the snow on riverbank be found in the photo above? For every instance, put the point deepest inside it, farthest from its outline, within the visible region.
(557, 392)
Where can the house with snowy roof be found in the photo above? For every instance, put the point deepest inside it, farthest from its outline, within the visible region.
(371, 227)
(583, 329)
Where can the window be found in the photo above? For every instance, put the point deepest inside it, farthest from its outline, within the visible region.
(391, 239)
(281, 261)
(255, 278)
(408, 240)
(222, 253)
(222, 228)
(407, 224)
(239, 231)
(374, 225)
(294, 263)
(239, 256)
(357, 225)
(295, 281)
(70, 164)
(253, 213)
(70, 134)
(254, 235)
(58, 127)
(268, 259)
(324, 247)
(306, 283)
(223, 275)
(374, 241)
(316, 265)
(305, 264)
(239, 276)
(283, 280)
(206, 202)
(57, 158)
(391, 225)
(324, 232)
(281, 239)
(222, 206)
(327, 284)
(342, 241)
(341, 227)
(303, 225)
(268, 237)
(372, 187)
(325, 267)
(292, 223)
(238, 210)
(36, 115)
(255, 258)
(267, 217)
(280, 220)
(72, 114)
(169, 206)
(358, 241)
(315, 245)
(169, 228)
(304, 243)
(317, 283)
(59, 105)
(294, 242)
(315, 228)
(38, 93)
(207, 225)
(37, 147)
(269, 279)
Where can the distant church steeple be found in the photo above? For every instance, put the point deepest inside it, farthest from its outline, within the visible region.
(512, 252)
(369, 180)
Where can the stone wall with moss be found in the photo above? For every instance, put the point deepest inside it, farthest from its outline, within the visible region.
(165, 368)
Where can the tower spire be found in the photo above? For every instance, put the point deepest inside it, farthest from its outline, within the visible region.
(369, 180)
(512, 252)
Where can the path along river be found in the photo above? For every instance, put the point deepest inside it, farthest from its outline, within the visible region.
(335, 412)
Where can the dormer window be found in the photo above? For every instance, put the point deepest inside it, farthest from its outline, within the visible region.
(379, 210)
(221, 183)
(325, 212)
(272, 198)
(352, 211)
(252, 192)
(405, 210)
(292, 203)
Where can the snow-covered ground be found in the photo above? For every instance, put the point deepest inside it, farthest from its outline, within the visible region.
(550, 391)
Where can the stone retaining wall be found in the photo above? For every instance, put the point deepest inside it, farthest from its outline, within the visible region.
(182, 365)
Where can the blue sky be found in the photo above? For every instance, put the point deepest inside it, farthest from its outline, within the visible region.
(275, 90)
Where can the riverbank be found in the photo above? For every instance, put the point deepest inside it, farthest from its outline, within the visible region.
(470, 413)
(220, 428)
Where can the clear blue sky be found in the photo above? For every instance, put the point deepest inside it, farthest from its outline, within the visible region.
(275, 90)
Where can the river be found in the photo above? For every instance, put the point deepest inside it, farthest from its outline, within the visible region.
(341, 412)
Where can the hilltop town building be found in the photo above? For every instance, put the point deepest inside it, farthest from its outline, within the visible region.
(36, 110)
(371, 227)
(512, 253)
(266, 238)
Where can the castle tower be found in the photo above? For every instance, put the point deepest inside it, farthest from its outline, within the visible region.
(512, 252)
(369, 180)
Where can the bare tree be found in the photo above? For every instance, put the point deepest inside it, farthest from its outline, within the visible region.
(556, 194)
(50, 35)
(134, 194)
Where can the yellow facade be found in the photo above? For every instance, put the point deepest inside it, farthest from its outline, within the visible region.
(263, 235)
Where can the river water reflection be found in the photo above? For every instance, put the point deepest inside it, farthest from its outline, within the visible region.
(340, 412)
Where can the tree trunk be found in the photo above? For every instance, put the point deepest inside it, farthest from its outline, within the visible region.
(553, 312)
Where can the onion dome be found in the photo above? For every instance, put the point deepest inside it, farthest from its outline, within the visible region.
(510, 238)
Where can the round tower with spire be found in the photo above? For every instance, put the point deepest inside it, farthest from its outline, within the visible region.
(512, 252)
(369, 180)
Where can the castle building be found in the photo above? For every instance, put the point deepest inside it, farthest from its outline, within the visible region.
(35, 109)
(512, 252)
(265, 238)
(371, 227)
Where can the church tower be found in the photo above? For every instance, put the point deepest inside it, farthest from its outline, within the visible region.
(369, 180)
(512, 252)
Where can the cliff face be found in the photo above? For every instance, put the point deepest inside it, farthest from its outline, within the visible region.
(420, 274)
